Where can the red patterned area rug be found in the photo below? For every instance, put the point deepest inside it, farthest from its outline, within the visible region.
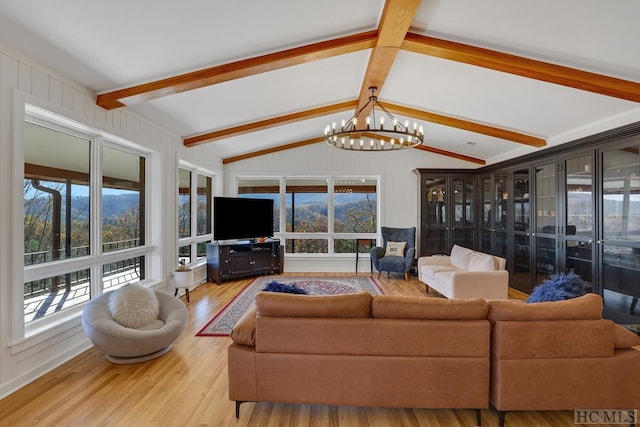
(223, 321)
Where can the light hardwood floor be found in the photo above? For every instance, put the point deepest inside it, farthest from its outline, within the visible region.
(188, 387)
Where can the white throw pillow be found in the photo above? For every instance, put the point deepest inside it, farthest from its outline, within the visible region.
(460, 257)
(134, 306)
(481, 262)
(395, 249)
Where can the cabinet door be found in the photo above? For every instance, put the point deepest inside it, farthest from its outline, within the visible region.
(546, 223)
(434, 217)
(620, 233)
(240, 262)
(463, 228)
(579, 226)
(261, 262)
(500, 243)
(521, 277)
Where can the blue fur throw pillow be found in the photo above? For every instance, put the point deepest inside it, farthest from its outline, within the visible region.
(558, 287)
(283, 287)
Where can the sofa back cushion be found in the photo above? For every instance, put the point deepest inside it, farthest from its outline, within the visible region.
(460, 257)
(409, 307)
(270, 304)
(481, 262)
(552, 339)
(586, 307)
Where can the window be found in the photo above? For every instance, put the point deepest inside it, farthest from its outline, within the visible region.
(321, 215)
(195, 189)
(84, 223)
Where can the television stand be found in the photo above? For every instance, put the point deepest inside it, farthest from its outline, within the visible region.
(243, 258)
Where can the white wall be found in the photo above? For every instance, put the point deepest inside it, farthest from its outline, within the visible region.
(398, 192)
(22, 78)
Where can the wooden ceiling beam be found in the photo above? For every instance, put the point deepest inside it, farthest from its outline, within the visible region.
(395, 21)
(272, 150)
(467, 125)
(268, 123)
(235, 70)
(451, 154)
(513, 64)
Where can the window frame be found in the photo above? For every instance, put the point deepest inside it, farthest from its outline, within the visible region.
(35, 330)
(194, 239)
(330, 236)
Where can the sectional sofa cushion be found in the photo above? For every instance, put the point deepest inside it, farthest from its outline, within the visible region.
(244, 331)
(624, 338)
(288, 305)
(408, 307)
(586, 307)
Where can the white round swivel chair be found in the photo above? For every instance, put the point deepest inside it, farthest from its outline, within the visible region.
(124, 345)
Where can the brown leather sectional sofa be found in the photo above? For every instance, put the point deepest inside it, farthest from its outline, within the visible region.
(416, 352)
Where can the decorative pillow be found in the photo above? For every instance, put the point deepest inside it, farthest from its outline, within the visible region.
(134, 306)
(558, 287)
(481, 262)
(395, 249)
(274, 286)
(460, 257)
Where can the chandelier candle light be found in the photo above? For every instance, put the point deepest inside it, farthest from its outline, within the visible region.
(373, 136)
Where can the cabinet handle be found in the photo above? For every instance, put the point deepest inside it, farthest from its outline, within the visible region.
(533, 234)
(600, 242)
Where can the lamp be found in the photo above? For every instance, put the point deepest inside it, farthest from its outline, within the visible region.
(374, 136)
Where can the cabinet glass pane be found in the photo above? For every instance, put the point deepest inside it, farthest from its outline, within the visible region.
(436, 205)
(501, 201)
(546, 194)
(621, 287)
(436, 242)
(580, 195)
(545, 258)
(521, 278)
(579, 219)
(463, 237)
(485, 219)
(621, 194)
(522, 214)
(463, 202)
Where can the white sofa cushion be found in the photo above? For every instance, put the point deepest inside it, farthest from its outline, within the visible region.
(428, 271)
(460, 257)
(481, 262)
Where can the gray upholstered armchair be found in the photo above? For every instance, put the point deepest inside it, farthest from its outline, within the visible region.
(400, 263)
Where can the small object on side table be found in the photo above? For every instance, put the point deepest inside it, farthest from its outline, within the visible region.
(183, 278)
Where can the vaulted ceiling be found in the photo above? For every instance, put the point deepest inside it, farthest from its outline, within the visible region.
(485, 78)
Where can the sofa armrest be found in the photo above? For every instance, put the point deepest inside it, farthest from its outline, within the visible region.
(480, 284)
(434, 260)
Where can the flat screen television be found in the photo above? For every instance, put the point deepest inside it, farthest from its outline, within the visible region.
(237, 218)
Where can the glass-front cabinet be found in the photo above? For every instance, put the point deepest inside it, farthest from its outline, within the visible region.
(571, 208)
(447, 213)
(619, 242)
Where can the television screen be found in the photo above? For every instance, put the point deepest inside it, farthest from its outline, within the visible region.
(242, 218)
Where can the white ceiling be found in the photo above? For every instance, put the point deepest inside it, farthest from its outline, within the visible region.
(115, 44)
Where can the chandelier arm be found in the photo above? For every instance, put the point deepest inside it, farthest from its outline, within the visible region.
(391, 116)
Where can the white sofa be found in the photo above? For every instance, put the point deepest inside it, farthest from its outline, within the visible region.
(465, 274)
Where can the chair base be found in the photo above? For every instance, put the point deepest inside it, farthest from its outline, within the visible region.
(406, 275)
(118, 360)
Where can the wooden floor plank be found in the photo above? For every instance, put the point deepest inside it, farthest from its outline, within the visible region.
(188, 386)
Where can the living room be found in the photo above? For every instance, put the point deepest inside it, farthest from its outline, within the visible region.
(48, 74)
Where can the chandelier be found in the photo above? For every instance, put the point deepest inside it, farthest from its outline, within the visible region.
(373, 136)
